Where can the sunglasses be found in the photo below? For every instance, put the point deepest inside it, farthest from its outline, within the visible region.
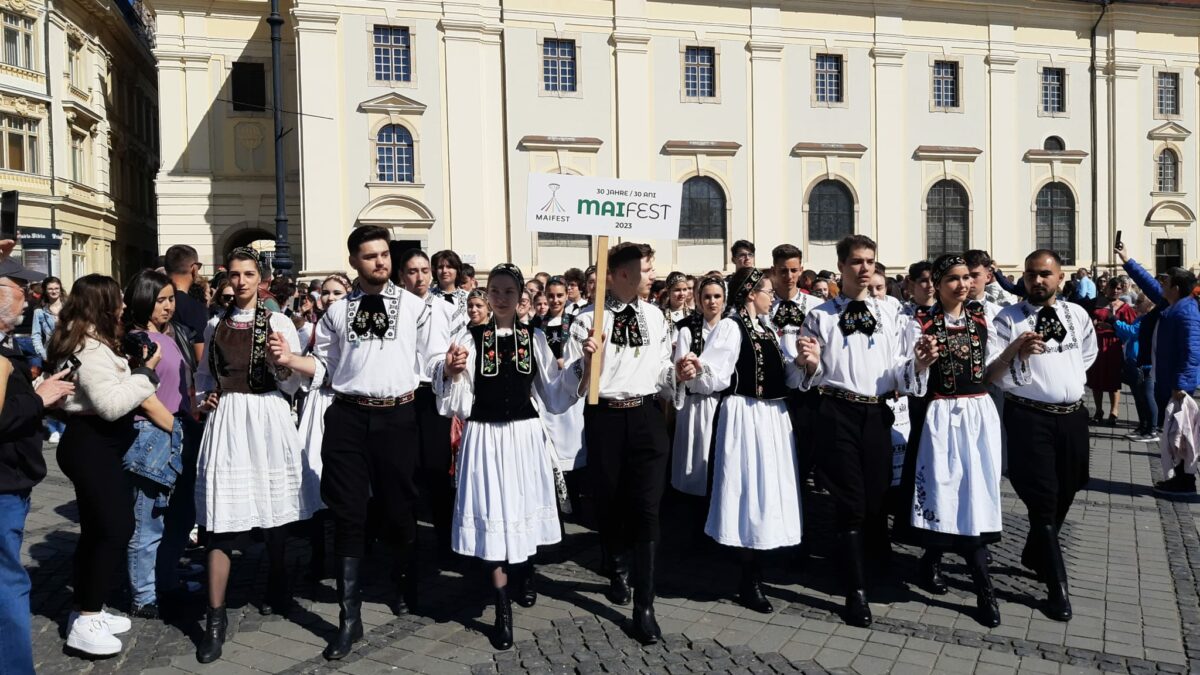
(226, 297)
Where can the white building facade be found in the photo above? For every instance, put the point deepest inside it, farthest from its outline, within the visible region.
(929, 125)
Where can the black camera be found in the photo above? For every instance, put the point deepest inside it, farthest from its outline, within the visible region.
(138, 348)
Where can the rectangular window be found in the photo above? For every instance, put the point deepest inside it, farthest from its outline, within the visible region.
(558, 65)
(828, 81)
(77, 159)
(75, 64)
(1054, 91)
(18, 41)
(79, 256)
(699, 72)
(18, 136)
(249, 86)
(393, 54)
(1168, 253)
(1168, 93)
(945, 84)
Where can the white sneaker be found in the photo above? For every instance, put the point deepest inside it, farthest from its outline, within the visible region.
(116, 624)
(91, 635)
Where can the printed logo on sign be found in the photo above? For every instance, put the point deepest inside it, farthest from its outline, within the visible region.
(553, 206)
(594, 206)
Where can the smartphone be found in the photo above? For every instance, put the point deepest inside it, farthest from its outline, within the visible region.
(71, 365)
(1118, 245)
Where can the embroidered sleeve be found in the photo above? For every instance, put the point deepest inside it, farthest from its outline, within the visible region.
(455, 396)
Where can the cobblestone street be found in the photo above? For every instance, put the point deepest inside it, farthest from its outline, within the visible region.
(1133, 560)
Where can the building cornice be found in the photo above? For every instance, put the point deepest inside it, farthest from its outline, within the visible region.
(576, 143)
(712, 148)
(938, 153)
(855, 150)
(1040, 156)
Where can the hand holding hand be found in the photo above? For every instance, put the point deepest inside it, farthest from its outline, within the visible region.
(926, 351)
(687, 368)
(810, 353)
(54, 388)
(278, 351)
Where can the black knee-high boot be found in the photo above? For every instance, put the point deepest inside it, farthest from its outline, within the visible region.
(524, 591)
(350, 626)
(502, 630)
(645, 626)
(750, 593)
(279, 595)
(930, 573)
(1058, 602)
(404, 575)
(985, 593)
(616, 566)
(215, 623)
(858, 612)
(316, 541)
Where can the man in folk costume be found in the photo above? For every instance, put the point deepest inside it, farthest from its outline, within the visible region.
(626, 440)
(865, 356)
(374, 353)
(1044, 414)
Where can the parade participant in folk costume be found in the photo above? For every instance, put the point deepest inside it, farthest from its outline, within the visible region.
(448, 272)
(478, 312)
(505, 507)
(251, 468)
(955, 505)
(755, 492)
(866, 356)
(627, 443)
(564, 431)
(374, 344)
(412, 272)
(312, 418)
(922, 294)
(576, 283)
(694, 424)
(922, 297)
(1044, 415)
(676, 307)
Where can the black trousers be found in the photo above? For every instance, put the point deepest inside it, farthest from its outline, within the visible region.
(854, 459)
(433, 464)
(90, 454)
(368, 452)
(801, 407)
(1048, 458)
(628, 455)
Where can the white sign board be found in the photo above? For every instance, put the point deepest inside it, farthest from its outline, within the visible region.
(630, 209)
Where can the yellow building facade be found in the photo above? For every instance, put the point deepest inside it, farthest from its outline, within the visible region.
(78, 108)
(930, 125)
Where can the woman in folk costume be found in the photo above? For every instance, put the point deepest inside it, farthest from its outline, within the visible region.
(312, 419)
(956, 497)
(565, 431)
(755, 490)
(697, 411)
(676, 308)
(506, 506)
(250, 472)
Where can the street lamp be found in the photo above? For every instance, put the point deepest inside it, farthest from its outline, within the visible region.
(283, 250)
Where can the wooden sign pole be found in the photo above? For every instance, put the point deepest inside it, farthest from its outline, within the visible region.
(598, 318)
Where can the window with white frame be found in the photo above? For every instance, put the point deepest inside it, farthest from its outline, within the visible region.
(699, 72)
(79, 262)
(20, 144)
(1168, 171)
(394, 155)
(18, 41)
(393, 54)
(1054, 90)
(558, 65)
(945, 84)
(75, 63)
(1167, 93)
(828, 78)
(77, 156)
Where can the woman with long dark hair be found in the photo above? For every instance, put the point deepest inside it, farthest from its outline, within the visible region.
(100, 429)
(45, 318)
(697, 411)
(155, 461)
(448, 277)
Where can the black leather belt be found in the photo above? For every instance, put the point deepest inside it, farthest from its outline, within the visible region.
(1052, 408)
(373, 402)
(848, 395)
(623, 403)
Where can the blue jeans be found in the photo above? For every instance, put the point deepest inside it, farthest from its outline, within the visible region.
(24, 344)
(1144, 401)
(55, 426)
(16, 638)
(149, 510)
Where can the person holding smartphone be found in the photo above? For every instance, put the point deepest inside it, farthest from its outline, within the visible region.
(100, 429)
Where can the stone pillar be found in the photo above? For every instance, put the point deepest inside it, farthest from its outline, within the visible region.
(1004, 234)
(768, 148)
(893, 154)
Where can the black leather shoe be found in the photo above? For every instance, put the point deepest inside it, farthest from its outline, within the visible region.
(931, 574)
(1058, 603)
(645, 627)
(350, 627)
(985, 593)
(502, 630)
(750, 593)
(215, 624)
(526, 593)
(858, 612)
(619, 592)
(1058, 600)
(404, 575)
(278, 600)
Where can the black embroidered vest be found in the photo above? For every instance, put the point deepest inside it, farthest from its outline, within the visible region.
(556, 336)
(759, 372)
(960, 367)
(695, 324)
(503, 392)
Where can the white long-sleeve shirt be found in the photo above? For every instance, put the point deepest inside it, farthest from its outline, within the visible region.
(387, 366)
(875, 365)
(627, 371)
(1057, 375)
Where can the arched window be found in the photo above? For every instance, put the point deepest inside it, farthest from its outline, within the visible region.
(702, 215)
(830, 211)
(394, 155)
(946, 218)
(1054, 144)
(1056, 221)
(1168, 171)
